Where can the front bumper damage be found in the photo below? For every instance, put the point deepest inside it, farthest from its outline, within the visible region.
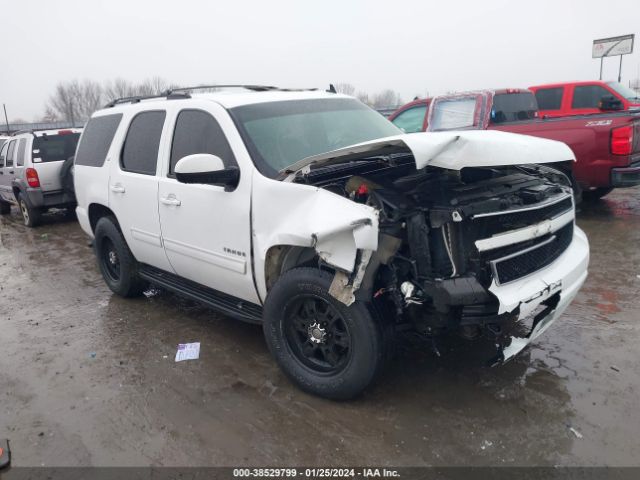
(555, 286)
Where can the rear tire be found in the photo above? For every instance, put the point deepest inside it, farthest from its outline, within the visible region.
(5, 208)
(30, 215)
(325, 347)
(596, 194)
(117, 264)
(66, 176)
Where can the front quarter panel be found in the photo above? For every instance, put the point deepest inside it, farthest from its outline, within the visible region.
(292, 214)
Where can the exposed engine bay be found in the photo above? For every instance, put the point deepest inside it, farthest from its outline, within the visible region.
(447, 236)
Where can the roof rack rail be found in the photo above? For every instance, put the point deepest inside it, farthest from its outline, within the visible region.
(181, 92)
(257, 88)
(137, 98)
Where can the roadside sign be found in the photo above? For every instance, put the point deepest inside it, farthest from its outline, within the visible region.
(611, 47)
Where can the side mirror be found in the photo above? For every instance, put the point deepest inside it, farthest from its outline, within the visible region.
(206, 169)
(609, 102)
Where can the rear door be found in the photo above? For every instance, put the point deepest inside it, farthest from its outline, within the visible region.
(48, 152)
(133, 187)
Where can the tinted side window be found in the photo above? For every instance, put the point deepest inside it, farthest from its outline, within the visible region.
(140, 151)
(549, 98)
(411, 120)
(588, 96)
(96, 140)
(12, 147)
(198, 132)
(21, 148)
(513, 107)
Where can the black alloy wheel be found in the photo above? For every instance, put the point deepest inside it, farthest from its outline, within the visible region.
(317, 334)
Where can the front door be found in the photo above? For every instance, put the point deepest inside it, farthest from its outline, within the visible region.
(133, 188)
(205, 229)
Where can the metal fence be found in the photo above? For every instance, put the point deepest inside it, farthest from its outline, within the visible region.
(15, 127)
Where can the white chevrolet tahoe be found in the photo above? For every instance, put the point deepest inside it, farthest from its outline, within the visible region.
(35, 173)
(309, 213)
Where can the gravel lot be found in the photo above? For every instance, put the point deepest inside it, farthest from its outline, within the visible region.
(88, 378)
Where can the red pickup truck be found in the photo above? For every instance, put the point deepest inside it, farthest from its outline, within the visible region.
(580, 98)
(606, 145)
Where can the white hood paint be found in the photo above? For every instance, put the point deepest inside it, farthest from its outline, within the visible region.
(453, 150)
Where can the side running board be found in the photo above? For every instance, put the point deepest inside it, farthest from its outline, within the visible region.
(227, 304)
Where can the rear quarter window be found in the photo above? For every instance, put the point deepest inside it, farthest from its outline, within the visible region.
(513, 107)
(549, 98)
(54, 148)
(12, 147)
(96, 140)
(21, 151)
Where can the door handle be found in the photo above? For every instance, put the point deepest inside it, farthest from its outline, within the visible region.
(171, 200)
(117, 188)
(10, 171)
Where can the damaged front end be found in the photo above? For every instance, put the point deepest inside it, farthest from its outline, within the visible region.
(483, 250)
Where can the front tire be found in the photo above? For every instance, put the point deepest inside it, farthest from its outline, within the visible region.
(117, 264)
(596, 194)
(325, 347)
(5, 208)
(30, 215)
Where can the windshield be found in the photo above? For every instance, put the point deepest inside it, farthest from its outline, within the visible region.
(626, 92)
(513, 107)
(278, 134)
(51, 148)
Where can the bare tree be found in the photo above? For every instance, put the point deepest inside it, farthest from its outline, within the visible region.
(90, 98)
(345, 88)
(364, 98)
(118, 88)
(50, 115)
(74, 101)
(153, 86)
(386, 99)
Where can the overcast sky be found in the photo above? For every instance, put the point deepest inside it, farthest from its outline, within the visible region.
(413, 47)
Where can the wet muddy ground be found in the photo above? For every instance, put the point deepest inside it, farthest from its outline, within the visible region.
(87, 378)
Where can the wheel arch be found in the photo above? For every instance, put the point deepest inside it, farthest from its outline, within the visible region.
(96, 211)
(282, 258)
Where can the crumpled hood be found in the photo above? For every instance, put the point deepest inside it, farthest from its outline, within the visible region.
(452, 150)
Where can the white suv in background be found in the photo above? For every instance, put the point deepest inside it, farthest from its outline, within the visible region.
(35, 172)
(308, 212)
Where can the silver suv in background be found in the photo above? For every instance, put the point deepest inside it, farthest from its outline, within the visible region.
(36, 172)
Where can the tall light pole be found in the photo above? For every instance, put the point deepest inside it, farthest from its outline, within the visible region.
(6, 119)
